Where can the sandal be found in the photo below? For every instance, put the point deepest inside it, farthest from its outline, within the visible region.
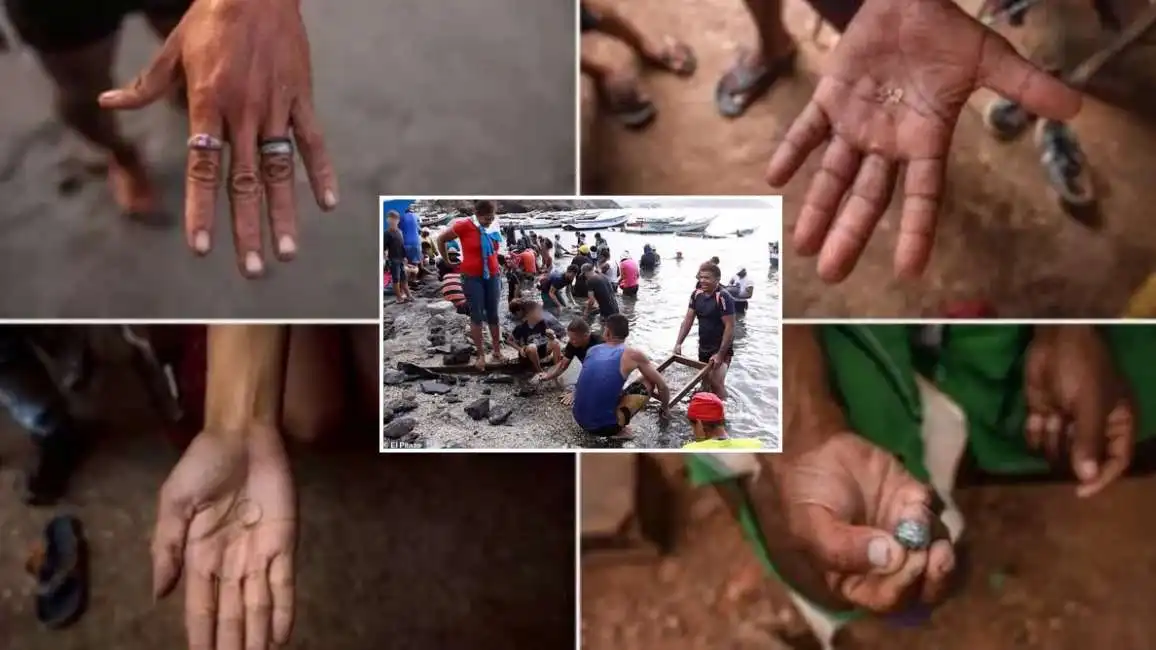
(1064, 163)
(61, 570)
(747, 84)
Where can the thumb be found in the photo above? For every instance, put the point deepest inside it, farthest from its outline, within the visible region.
(1089, 417)
(168, 547)
(845, 548)
(1003, 70)
(152, 82)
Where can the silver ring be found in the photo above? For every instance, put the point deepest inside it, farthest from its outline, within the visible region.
(205, 142)
(276, 147)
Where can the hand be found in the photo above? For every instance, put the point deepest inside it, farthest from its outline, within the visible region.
(550, 336)
(842, 501)
(715, 360)
(246, 65)
(540, 377)
(678, 350)
(567, 399)
(1079, 405)
(227, 518)
(893, 90)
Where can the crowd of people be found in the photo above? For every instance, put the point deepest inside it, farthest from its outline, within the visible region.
(473, 257)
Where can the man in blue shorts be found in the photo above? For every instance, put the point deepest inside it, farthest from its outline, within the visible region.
(715, 310)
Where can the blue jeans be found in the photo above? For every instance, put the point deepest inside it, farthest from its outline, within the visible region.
(482, 294)
(397, 272)
(413, 254)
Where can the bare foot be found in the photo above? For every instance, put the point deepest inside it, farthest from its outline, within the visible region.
(625, 434)
(131, 187)
(497, 357)
(567, 399)
(674, 56)
(480, 363)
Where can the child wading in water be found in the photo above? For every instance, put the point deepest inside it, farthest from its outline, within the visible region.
(395, 254)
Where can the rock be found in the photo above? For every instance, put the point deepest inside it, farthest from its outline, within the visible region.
(399, 428)
(487, 391)
(415, 372)
(437, 339)
(401, 405)
(452, 399)
(434, 388)
(457, 355)
(500, 415)
(440, 307)
(498, 379)
(479, 408)
(526, 391)
(386, 416)
(394, 377)
(439, 349)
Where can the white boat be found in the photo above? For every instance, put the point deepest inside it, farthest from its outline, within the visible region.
(529, 223)
(666, 225)
(596, 223)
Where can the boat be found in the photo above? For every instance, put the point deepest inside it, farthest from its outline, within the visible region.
(666, 225)
(434, 220)
(596, 223)
(526, 224)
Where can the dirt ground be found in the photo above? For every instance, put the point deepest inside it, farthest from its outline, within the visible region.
(1001, 237)
(461, 97)
(1043, 570)
(426, 551)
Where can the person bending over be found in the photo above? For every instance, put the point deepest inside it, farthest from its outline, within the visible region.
(715, 311)
(600, 407)
(579, 340)
(536, 337)
(601, 299)
(553, 287)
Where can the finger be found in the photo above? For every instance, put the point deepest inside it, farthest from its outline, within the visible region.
(1036, 396)
(230, 615)
(168, 546)
(807, 132)
(278, 173)
(281, 587)
(940, 564)
(857, 220)
(153, 82)
(844, 548)
(886, 593)
(258, 609)
(1089, 413)
(907, 500)
(922, 189)
(203, 170)
(830, 183)
(307, 129)
(1003, 70)
(245, 193)
(1054, 440)
(200, 611)
(1121, 437)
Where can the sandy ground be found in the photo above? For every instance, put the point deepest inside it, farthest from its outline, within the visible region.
(459, 97)
(404, 551)
(1043, 570)
(1001, 237)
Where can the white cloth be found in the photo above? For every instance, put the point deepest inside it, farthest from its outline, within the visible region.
(739, 286)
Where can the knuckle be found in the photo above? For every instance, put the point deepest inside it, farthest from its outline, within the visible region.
(204, 168)
(277, 169)
(244, 183)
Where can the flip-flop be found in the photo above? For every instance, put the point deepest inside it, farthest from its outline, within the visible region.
(749, 83)
(678, 58)
(61, 569)
(1064, 163)
(631, 110)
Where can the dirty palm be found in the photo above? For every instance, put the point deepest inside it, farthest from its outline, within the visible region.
(892, 94)
(247, 70)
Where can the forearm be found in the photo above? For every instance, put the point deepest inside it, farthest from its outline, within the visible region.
(811, 414)
(557, 370)
(728, 338)
(684, 331)
(245, 379)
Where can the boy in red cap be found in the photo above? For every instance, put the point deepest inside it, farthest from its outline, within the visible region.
(706, 414)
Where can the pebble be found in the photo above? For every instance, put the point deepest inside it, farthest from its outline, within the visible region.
(399, 428)
(401, 405)
(394, 377)
(500, 415)
(434, 388)
(479, 408)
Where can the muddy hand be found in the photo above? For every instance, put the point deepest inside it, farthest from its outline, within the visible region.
(892, 93)
(1078, 405)
(246, 64)
(845, 501)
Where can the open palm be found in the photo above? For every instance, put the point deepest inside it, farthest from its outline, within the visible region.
(892, 93)
(227, 517)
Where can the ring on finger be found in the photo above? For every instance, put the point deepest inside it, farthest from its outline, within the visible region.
(205, 142)
(276, 146)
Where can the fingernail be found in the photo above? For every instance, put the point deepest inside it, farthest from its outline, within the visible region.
(330, 199)
(253, 263)
(108, 95)
(1087, 469)
(879, 552)
(286, 245)
(201, 241)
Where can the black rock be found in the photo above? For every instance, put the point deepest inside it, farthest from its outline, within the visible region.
(439, 349)
(434, 388)
(456, 356)
(526, 391)
(487, 391)
(402, 405)
(498, 379)
(500, 415)
(479, 408)
(394, 377)
(415, 372)
(437, 339)
(386, 416)
(399, 428)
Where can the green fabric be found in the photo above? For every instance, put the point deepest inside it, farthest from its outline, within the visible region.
(704, 469)
(981, 367)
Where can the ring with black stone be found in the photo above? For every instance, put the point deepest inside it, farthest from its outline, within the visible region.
(276, 147)
(912, 534)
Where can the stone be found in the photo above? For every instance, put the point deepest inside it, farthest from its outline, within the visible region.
(526, 391)
(434, 388)
(487, 391)
(394, 377)
(437, 339)
(415, 372)
(498, 379)
(457, 355)
(401, 405)
(500, 415)
(439, 349)
(399, 428)
(913, 535)
(479, 408)
(452, 399)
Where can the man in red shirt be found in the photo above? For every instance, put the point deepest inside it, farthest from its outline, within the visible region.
(481, 275)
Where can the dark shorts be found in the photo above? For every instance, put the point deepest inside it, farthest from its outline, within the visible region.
(587, 20)
(630, 291)
(543, 350)
(704, 355)
(397, 271)
(740, 306)
(483, 296)
(624, 416)
(54, 26)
